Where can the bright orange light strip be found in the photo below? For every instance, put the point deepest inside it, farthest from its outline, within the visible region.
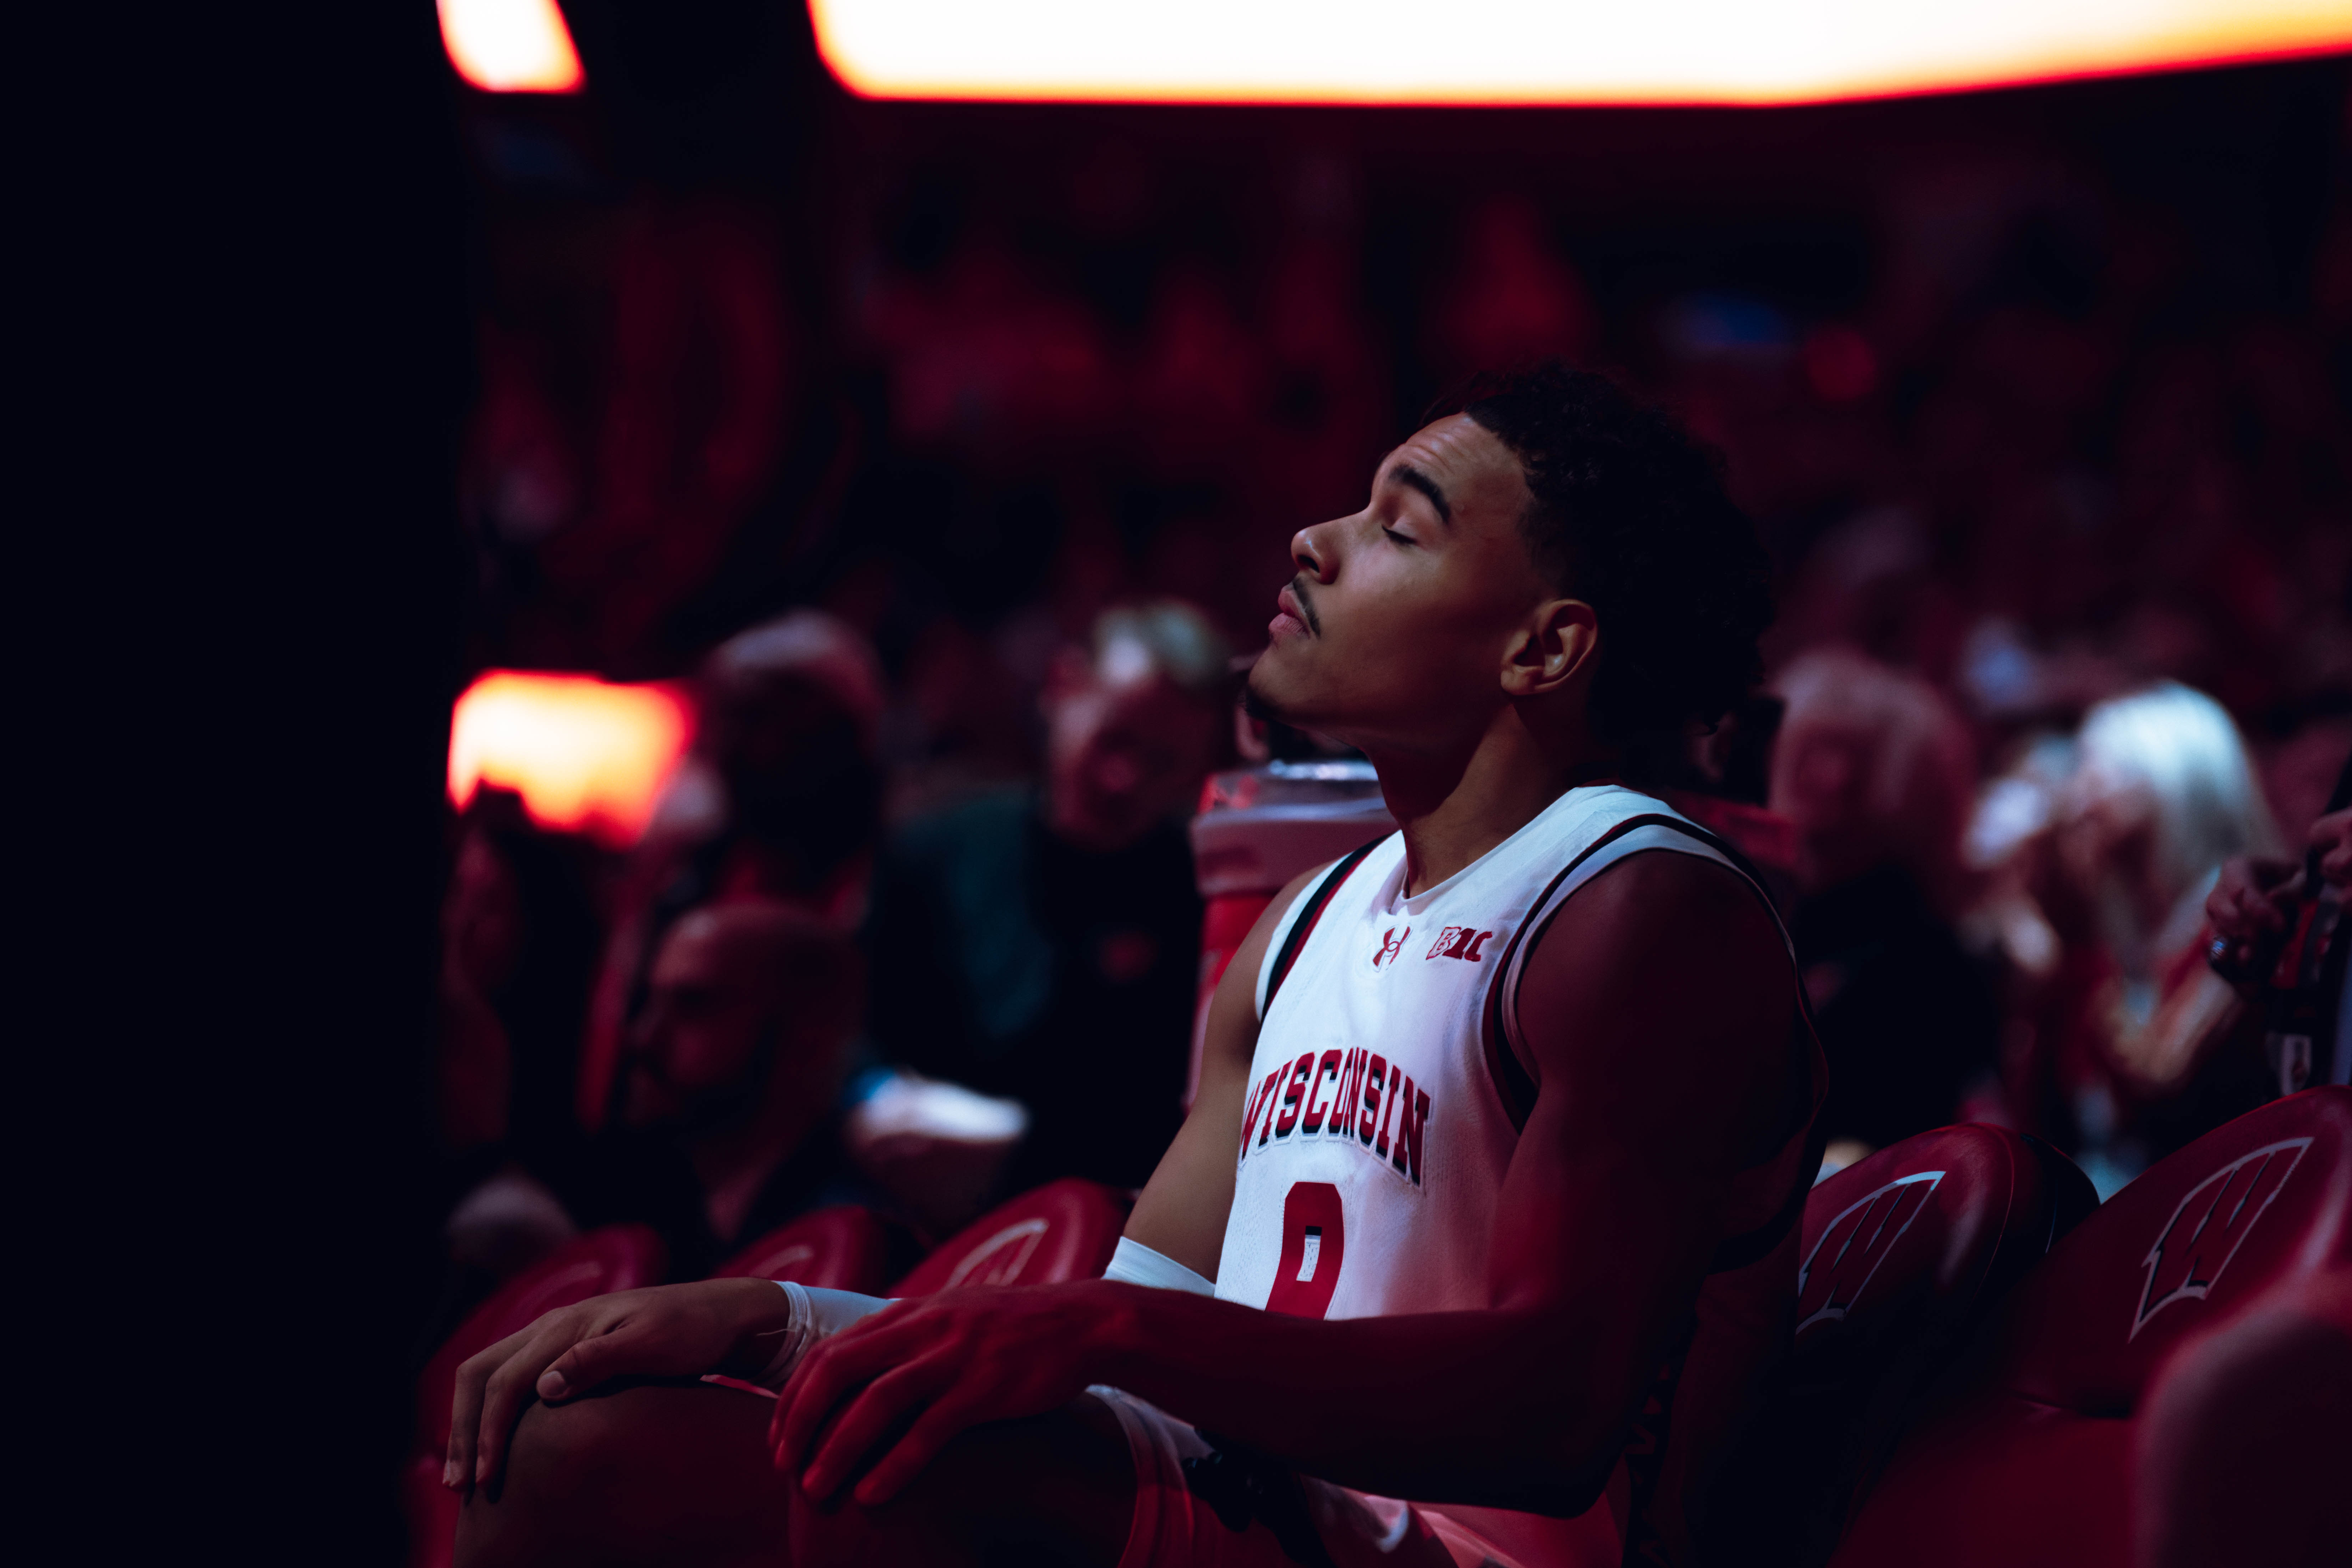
(1536, 51)
(510, 45)
(585, 757)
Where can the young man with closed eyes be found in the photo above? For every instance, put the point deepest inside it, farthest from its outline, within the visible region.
(1482, 1229)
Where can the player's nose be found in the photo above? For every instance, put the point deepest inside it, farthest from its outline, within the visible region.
(1312, 551)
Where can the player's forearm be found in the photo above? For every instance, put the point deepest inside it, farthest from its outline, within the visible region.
(1485, 1407)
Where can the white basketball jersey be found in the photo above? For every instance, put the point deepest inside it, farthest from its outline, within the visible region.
(1387, 1092)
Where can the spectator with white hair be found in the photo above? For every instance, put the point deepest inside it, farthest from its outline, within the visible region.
(2141, 1040)
(1874, 768)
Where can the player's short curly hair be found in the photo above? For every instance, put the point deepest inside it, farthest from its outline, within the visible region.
(1632, 517)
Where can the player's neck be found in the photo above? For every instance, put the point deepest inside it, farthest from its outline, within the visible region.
(1454, 805)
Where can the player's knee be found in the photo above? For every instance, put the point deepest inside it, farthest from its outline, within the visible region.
(547, 1492)
(635, 1474)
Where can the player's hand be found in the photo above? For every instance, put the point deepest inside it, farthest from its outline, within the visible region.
(903, 1383)
(2250, 897)
(666, 1331)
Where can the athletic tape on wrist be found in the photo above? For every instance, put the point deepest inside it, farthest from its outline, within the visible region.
(816, 1314)
(1136, 1264)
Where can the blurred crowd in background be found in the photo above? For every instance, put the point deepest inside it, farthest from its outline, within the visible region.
(947, 460)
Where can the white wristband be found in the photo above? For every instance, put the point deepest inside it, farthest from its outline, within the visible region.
(817, 1313)
(1137, 1264)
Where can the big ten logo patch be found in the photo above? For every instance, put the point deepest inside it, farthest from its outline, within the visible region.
(1000, 1260)
(1391, 943)
(1459, 941)
(1355, 1097)
(2209, 1224)
(1854, 1243)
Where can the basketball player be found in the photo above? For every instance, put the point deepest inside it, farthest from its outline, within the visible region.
(1488, 1198)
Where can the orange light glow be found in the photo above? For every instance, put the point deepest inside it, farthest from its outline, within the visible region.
(586, 757)
(510, 45)
(1536, 51)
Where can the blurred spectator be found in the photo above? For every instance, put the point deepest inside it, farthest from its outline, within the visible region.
(2279, 936)
(481, 935)
(2162, 792)
(1874, 767)
(2255, 893)
(519, 945)
(2302, 765)
(729, 1081)
(1042, 944)
(780, 793)
(779, 798)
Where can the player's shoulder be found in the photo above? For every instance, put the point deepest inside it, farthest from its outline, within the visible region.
(1662, 911)
(1666, 882)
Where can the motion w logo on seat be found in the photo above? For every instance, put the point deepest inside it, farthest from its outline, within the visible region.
(2211, 1223)
(1838, 1267)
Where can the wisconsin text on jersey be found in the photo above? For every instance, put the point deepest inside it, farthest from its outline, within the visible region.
(1356, 1095)
(1343, 1096)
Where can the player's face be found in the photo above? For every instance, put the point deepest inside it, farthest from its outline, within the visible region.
(1397, 627)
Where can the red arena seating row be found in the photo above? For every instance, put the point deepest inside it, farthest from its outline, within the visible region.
(1064, 1230)
(842, 1249)
(1904, 1254)
(2088, 1408)
(2203, 1306)
(617, 1257)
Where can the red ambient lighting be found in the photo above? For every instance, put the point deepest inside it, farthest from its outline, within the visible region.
(585, 756)
(1536, 51)
(510, 45)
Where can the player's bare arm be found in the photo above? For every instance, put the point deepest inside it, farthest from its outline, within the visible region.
(1521, 1406)
(1182, 1211)
(728, 1325)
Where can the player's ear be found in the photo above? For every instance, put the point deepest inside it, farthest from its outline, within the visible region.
(1555, 648)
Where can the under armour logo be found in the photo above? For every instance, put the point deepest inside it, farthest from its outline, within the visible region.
(1391, 943)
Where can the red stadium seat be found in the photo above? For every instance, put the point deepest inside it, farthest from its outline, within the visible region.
(840, 1248)
(2212, 1482)
(615, 1258)
(1904, 1254)
(2030, 1460)
(1064, 1230)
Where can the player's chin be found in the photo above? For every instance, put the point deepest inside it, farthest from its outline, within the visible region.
(1274, 692)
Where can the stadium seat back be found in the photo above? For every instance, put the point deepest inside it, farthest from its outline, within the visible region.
(2029, 1459)
(2261, 1201)
(613, 1257)
(841, 1248)
(2243, 1439)
(1064, 1230)
(1903, 1256)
